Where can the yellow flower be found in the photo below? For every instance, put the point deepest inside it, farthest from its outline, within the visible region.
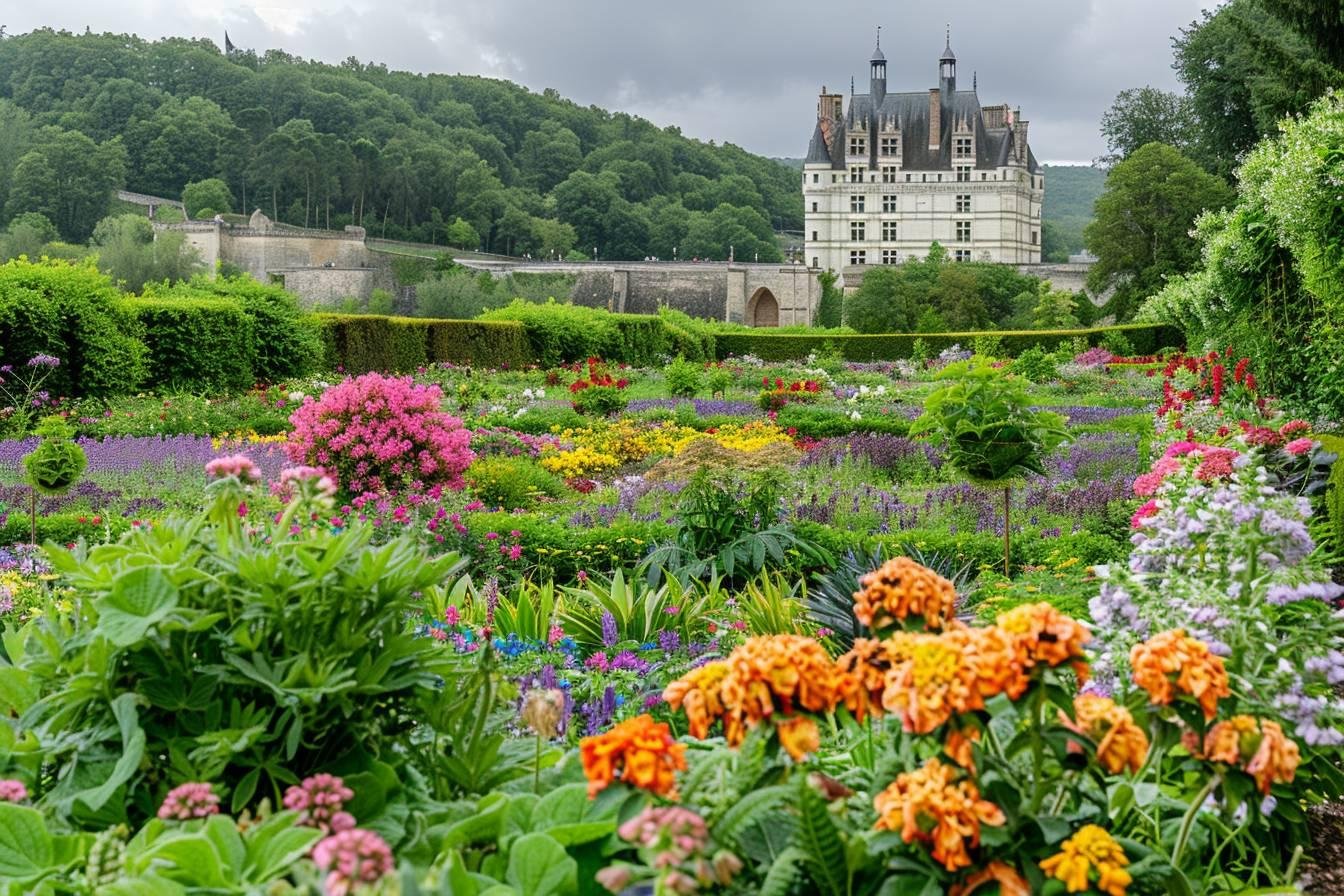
(697, 693)
(1090, 859)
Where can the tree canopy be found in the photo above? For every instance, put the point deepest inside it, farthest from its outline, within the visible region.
(404, 155)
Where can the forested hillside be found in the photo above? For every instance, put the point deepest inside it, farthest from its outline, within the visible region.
(1070, 193)
(483, 163)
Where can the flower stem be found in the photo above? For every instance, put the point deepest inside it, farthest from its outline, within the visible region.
(1188, 823)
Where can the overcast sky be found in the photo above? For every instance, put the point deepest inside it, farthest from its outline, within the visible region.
(740, 72)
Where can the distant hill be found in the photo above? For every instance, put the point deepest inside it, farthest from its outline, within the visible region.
(1070, 192)
(430, 158)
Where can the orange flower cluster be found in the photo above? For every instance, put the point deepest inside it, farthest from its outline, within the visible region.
(1010, 882)
(1172, 663)
(768, 678)
(697, 693)
(1121, 744)
(947, 674)
(1090, 850)
(1258, 746)
(901, 588)
(933, 806)
(869, 661)
(641, 750)
(1044, 636)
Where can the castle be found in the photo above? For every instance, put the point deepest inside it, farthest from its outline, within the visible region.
(900, 171)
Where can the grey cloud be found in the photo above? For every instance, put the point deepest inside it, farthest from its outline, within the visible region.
(745, 73)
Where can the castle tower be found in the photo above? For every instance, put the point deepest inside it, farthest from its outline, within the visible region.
(877, 77)
(947, 70)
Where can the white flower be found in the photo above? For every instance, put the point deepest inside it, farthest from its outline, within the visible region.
(297, 396)
(855, 415)
(518, 413)
(863, 390)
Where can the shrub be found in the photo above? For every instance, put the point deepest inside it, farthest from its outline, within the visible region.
(599, 394)
(1036, 365)
(75, 313)
(196, 343)
(359, 343)
(511, 483)
(375, 433)
(826, 422)
(284, 339)
(684, 379)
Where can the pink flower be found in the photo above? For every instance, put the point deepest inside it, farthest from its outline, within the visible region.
(320, 800)
(12, 791)
(352, 857)
(1298, 447)
(239, 466)
(452, 615)
(194, 799)
(1147, 510)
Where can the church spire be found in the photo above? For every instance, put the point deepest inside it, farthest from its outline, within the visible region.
(947, 67)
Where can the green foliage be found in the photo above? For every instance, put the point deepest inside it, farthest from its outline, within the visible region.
(360, 343)
(1148, 115)
(68, 177)
(830, 310)
(962, 295)
(893, 346)
(211, 194)
(684, 378)
(826, 422)
(129, 252)
(1141, 235)
(600, 401)
(73, 312)
(562, 333)
(511, 483)
(196, 344)
(249, 662)
(1036, 365)
(284, 339)
(57, 462)
(986, 423)
(1070, 193)
(1056, 309)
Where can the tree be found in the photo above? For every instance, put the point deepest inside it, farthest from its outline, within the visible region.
(462, 235)
(211, 193)
(958, 299)
(831, 305)
(129, 252)
(26, 235)
(1054, 245)
(548, 155)
(1147, 115)
(1141, 234)
(68, 178)
(1055, 308)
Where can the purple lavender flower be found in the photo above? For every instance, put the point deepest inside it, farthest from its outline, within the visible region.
(610, 635)
(669, 641)
(41, 360)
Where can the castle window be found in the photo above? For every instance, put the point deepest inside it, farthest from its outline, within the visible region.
(814, 236)
(963, 231)
(815, 262)
(962, 147)
(816, 178)
(889, 230)
(814, 206)
(963, 202)
(857, 231)
(888, 174)
(834, 178)
(889, 202)
(856, 174)
(890, 256)
(963, 172)
(907, 178)
(858, 256)
(856, 203)
(983, 176)
(962, 255)
(1034, 237)
(858, 146)
(891, 146)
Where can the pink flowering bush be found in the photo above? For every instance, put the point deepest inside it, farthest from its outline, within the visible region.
(352, 858)
(194, 799)
(377, 433)
(320, 801)
(12, 791)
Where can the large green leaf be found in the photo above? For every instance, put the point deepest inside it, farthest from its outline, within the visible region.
(25, 846)
(132, 751)
(539, 866)
(139, 598)
(567, 815)
(274, 845)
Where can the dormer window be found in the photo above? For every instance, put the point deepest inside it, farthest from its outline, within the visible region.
(858, 146)
(963, 148)
(890, 146)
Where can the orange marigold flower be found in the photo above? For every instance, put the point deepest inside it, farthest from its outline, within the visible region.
(930, 805)
(1257, 746)
(1172, 663)
(1121, 744)
(1047, 637)
(640, 751)
(936, 676)
(697, 693)
(798, 735)
(960, 746)
(900, 589)
(1010, 882)
(1090, 859)
(868, 663)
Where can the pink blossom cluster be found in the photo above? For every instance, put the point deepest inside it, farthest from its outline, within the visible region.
(1213, 463)
(239, 466)
(683, 830)
(351, 858)
(675, 841)
(320, 801)
(323, 484)
(380, 434)
(12, 791)
(195, 799)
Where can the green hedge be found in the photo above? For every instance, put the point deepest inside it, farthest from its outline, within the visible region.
(560, 333)
(1146, 338)
(359, 343)
(196, 344)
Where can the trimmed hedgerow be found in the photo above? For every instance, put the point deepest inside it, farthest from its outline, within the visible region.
(196, 343)
(359, 343)
(74, 312)
(1145, 338)
(479, 343)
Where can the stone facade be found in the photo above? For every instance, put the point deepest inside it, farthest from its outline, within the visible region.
(899, 171)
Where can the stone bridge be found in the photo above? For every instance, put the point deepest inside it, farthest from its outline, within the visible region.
(759, 295)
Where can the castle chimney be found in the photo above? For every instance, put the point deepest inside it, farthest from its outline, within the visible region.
(1020, 138)
(935, 118)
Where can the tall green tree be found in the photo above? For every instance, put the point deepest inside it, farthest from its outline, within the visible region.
(211, 194)
(1147, 115)
(68, 178)
(1141, 234)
